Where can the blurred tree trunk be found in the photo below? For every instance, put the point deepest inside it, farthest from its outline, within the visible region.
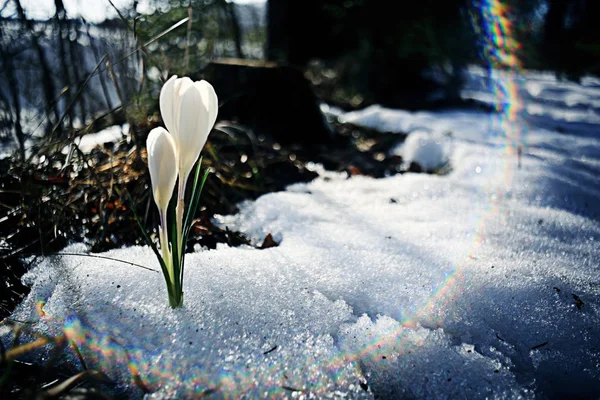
(571, 37)
(101, 76)
(278, 30)
(554, 30)
(235, 29)
(63, 34)
(268, 99)
(52, 113)
(76, 63)
(13, 87)
(294, 30)
(396, 58)
(188, 37)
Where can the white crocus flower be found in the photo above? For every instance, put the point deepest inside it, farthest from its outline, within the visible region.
(189, 111)
(162, 163)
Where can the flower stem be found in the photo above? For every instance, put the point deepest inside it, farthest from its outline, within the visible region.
(164, 246)
(179, 211)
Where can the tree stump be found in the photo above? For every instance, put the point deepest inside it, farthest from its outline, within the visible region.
(270, 99)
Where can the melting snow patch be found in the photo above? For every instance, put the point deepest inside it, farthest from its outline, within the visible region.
(480, 283)
(109, 135)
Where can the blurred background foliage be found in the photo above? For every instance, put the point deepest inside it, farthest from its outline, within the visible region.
(354, 52)
(398, 57)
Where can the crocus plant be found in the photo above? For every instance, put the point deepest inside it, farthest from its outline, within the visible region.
(189, 111)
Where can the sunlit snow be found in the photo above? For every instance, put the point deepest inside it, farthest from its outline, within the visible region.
(429, 151)
(480, 283)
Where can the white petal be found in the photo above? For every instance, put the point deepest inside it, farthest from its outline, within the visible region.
(167, 104)
(180, 86)
(162, 163)
(209, 97)
(193, 129)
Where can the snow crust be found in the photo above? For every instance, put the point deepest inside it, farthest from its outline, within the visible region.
(480, 283)
(109, 135)
(429, 151)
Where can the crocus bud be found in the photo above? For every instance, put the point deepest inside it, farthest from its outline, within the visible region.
(162, 163)
(189, 111)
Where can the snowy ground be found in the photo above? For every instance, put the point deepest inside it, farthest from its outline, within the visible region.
(480, 283)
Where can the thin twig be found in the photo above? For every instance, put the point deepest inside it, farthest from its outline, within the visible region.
(131, 122)
(270, 350)
(84, 130)
(133, 370)
(79, 355)
(154, 39)
(98, 71)
(96, 256)
(68, 109)
(538, 346)
(118, 12)
(90, 166)
(188, 41)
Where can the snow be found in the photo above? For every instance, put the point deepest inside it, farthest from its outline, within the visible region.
(111, 134)
(429, 151)
(479, 283)
(331, 113)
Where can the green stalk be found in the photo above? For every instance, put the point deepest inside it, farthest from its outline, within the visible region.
(174, 236)
(193, 206)
(179, 211)
(195, 199)
(164, 247)
(177, 300)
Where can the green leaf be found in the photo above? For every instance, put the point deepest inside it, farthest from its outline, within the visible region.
(177, 276)
(194, 202)
(189, 214)
(192, 207)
